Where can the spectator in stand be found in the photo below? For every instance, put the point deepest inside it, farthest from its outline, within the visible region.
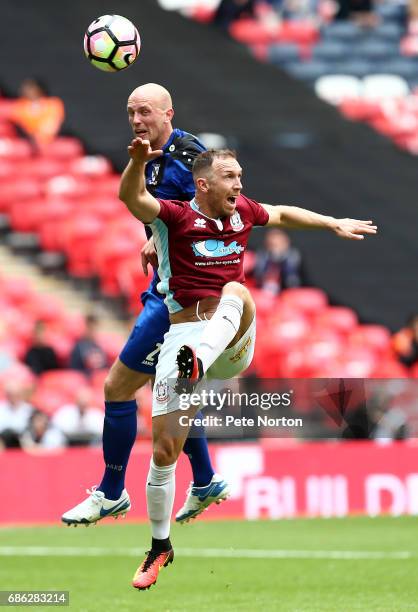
(41, 434)
(40, 357)
(278, 264)
(405, 343)
(230, 10)
(412, 13)
(80, 422)
(360, 11)
(15, 414)
(87, 355)
(37, 114)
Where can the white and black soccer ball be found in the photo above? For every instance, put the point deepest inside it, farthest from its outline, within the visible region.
(111, 43)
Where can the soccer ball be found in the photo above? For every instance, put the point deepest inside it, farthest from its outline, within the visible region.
(112, 43)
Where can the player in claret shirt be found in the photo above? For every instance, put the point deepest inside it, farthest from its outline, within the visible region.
(200, 246)
(167, 175)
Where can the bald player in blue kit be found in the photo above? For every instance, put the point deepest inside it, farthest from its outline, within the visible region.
(168, 176)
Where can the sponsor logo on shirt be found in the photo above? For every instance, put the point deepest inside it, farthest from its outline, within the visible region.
(216, 248)
(236, 222)
(200, 222)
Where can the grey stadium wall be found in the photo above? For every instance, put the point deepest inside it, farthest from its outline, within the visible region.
(294, 148)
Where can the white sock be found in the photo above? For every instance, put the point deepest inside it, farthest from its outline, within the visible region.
(160, 490)
(220, 330)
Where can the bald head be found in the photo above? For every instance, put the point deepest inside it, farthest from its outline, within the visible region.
(157, 94)
(150, 113)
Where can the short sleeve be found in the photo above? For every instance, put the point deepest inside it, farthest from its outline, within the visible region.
(259, 213)
(171, 211)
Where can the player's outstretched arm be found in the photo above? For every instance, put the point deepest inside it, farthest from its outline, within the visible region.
(132, 190)
(293, 217)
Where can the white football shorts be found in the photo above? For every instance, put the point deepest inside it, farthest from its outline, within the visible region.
(230, 363)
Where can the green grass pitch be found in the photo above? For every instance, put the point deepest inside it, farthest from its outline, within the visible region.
(335, 565)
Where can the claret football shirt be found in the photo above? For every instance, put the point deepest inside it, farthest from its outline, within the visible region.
(198, 255)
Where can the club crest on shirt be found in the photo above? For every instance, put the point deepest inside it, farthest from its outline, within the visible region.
(154, 174)
(161, 391)
(236, 222)
(216, 248)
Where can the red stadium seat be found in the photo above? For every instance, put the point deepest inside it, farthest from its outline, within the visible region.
(50, 236)
(33, 217)
(15, 325)
(17, 290)
(414, 370)
(111, 343)
(49, 400)
(312, 357)
(7, 130)
(63, 148)
(8, 170)
(104, 207)
(127, 227)
(98, 377)
(337, 318)
(18, 372)
(299, 31)
(39, 213)
(375, 337)
(67, 186)
(357, 362)
(79, 244)
(42, 168)
(50, 310)
(132, 281)
(13, 191)
(91, 166)
(265, 302)
(389, 368)
(392, 127)
(251, 32)
(202, 13)
(15, 149)
(74, 325)
(109, 258)
(249, 262)
(289, 332)
(108, 185)
(63, 381)
(307, 300)
(294, 364)
(359, 109)
(6, 108)
(13, 346)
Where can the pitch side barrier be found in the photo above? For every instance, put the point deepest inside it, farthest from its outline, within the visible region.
(271, 478)
(354, 452)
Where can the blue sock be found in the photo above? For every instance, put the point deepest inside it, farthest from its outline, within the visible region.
(196, 448)
(119, 434)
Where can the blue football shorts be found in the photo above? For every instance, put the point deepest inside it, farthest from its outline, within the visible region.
(142, 348)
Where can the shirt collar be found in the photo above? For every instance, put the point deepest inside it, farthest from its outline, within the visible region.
(195, 206)
(170, 140)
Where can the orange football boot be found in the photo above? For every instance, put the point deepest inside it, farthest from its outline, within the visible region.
(147, 573)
